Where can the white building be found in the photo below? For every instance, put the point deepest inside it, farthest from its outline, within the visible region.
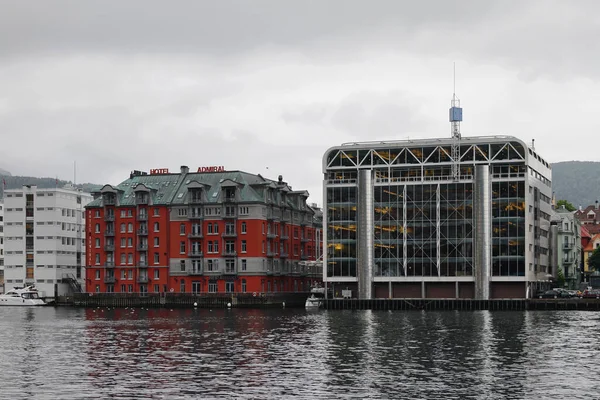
(1, 246)
(44, 239)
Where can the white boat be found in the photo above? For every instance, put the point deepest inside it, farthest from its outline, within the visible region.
(25, 296)
(316, 298)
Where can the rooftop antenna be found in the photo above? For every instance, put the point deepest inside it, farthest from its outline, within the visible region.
(455, 119)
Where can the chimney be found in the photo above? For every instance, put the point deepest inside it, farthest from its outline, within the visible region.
(596, 204)
(185, 169)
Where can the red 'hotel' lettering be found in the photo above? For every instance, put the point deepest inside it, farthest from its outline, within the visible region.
(158, 171)
(212, 169)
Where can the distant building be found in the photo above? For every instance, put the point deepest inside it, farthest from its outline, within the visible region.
(568, 246)
(1, 246)
(210, 231)
(590, 217)
(44, 239)
(407, 219)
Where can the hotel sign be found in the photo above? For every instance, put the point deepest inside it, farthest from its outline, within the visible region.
(159, 171)
(212, 169)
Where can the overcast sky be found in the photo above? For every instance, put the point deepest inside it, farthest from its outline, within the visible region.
(267, 86)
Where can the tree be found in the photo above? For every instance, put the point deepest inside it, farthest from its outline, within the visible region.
(568, 206)
(560, 278)
(594, 260)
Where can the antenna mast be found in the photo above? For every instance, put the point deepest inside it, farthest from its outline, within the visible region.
(455, 119)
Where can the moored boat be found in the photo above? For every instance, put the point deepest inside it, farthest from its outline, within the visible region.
(25, 296)
(316, 298)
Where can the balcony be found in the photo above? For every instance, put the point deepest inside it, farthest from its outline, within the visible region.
(110, 264)
(142, 232)
(195, 253)
(230, 271)
(229, 199)
(195, 200)
(109, 217)
(109, 247)
(196, 271)
(110, 232)
(229, 234)
(142, 246)
(305, 240)
(141, 199)
(304, 257)
(568, 246)
(229, 253)
(143, 264)
(195, 235)
(271, 235)
(195, 215)
(142, 279)
(109, 201)
(109, 279)
(283, 254)
(230, 215)
(142, 217)
(284, 237)
(270, 253)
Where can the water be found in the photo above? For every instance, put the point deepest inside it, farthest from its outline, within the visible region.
(66, 353)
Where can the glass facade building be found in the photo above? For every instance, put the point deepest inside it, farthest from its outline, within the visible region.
(400, 224)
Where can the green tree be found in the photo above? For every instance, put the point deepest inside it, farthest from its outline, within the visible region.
(568, 206)
(594, 260)
(560, 278)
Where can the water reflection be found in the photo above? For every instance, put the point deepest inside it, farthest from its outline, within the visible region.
(136, 353)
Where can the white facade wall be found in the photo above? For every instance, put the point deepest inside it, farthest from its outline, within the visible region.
(56, 235)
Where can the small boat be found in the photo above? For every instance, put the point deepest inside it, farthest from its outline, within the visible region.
(25, 296)
(316, 298)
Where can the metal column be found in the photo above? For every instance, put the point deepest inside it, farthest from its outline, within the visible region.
(365, 216)
(482, 236)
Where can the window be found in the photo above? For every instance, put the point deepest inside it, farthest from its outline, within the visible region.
(97, 228)
(263, 246)
(243, 246)
(182, 229)
(156, 274)
(123, 276)
(130, 258)
(229, 287)
(243, 286)
(244, 264)
(97, 243)
(209, 228)
(156, 212)
(212, 287)
(182, 265)
(122, 228)
(129, 242)
(182, 286)
(123, 213)
(182, 212)
(156, 242)
(130, 227)
(123, 258)
(156, 288)
(243, 227)
(216, 246)
(182, 247)
(263, 228)
(97, 258)
(156, 227)
(97, 276)
(216, 229)
(97, 214)
(156, 258)
(123, 243)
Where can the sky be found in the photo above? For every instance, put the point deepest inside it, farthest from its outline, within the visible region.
(267, 86)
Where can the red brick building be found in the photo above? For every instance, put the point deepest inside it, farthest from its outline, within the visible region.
(217, 231)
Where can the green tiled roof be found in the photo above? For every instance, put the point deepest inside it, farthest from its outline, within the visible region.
(172, 189)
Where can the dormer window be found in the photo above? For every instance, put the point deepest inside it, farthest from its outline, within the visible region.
(591, 215)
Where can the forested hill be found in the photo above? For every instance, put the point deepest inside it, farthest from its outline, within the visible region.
(578, 182)
(16, 182)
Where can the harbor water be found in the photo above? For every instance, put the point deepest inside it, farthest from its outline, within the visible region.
(77, 353)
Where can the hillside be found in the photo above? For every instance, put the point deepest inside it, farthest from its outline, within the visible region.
(577, 182)
(16, 182)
